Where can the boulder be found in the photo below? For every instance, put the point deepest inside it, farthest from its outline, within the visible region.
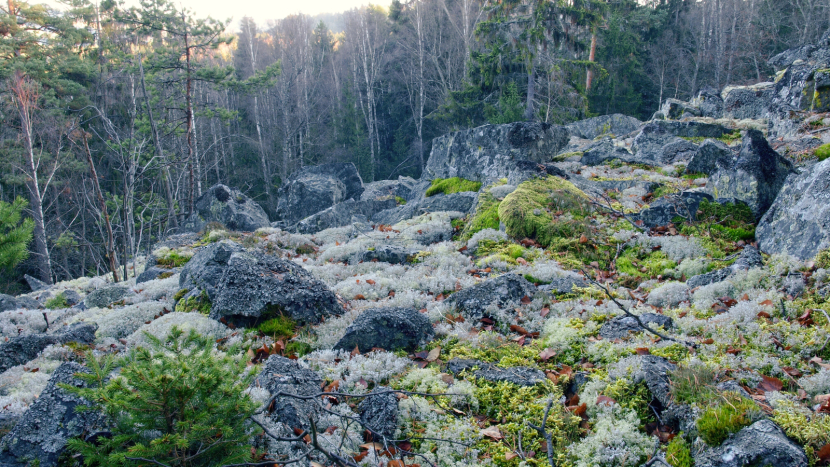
(313, 189)
(563, 285)
(749, 258)
(675, 109)
(454, 202)
(71, 297)
(283, 376)
(616, 125)
(655, 372)
(708, 157)
(229, 207)
(679, 150)
(798, 222)
(763, 444)
(487, 153)
(709, 103)
(344, 214)
(520, 376)
(755, 177)
(105, 296)
(35, 284)
(257, 286)
(662, 211)
(7, 302)
(604, 150)
(620, 327)
(392, 254)
(379, 414)
(403, 187)
(22, 349)
(661, 142)
(507, 288)
(387, 328)
(153, 272)
(525, 170)
(205, 269)
(41, 434)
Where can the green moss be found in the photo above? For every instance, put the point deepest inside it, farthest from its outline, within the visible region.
(565, 156)
(58, 302)
(279, 327)
(181, 293)
(452, 185)
(305, 249)
(730, 414)
(664, 190)
(298, 349)
(399, 201)
(810, 430)
(631, 396)
(165, 275)
(728, 222)
(692, 384)
(823, 259)
(172, 260)
(823, 152)
(485, 217)
(678, 453)
(200, 303)
(694, 176)
(534, 280)
(637, 262)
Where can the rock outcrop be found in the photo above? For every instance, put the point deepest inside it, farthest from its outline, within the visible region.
(615, 124)
(473, 301)
(21, 349)
(316, 188)
(105, 296)
(763, 443)
(387, 328)
(229, 207)
(205, 269)
(281, 375)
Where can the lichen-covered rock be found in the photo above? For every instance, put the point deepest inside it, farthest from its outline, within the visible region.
(662, 211)
(315, 188)
(761, 444)
(710, 155)
(749, 258)
(105, 296)
(605, 150)
(489, 152)
(676, 109)
(205, 269)
(41, 434)
(563, 285)
(520, 376)
(709, 103)
(454, 202)
(35, 284)
(473, 301)
(755, 177)
(257, 286)
(798, 222)
(615, 124)
(655, 372)
(282, 375)
(649, 144)
(7, 302)
(526, 170)
(403, 187)
(22, 349)
(392, 254)
(154, 272)
(621, 326)
(229, 207)
(344, 214)
(379, 413)
(679, 150)
(387, 328)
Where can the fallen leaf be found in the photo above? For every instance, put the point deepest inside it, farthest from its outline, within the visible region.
(510, 456)
(433, 354)
(794, 372)
(769, 384)
(359, 297)
(493, 432)
(370, 282)
(605, 400)
(544, 312)
(763, 314)
(583, 239)
(824, 453)
(525, 300)
(395, 463)
(355, 352)
(643, 351)
(766, 303)
(518, 329)
(708, 341)
(546, 354)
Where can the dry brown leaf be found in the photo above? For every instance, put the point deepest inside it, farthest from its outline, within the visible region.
(493, 432)
(434, 354)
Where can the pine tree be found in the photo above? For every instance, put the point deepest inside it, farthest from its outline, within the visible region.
(14, 234)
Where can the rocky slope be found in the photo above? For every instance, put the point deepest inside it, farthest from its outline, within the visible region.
(611, 293)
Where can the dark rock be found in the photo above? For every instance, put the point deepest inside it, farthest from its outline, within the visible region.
(315, 188)
(679, 150)
(733, 386)
(152, 273)
(7, 302)
(709, 102)
(786, 58)
(35, 284)
(41, 434)
(761, 444)
(563, 285)
(22, 349)
(459, 202)
(281, 375)
(756, 176)
(621, 326)
(682, 418)
(501, 290)
(520, 376)
(458, 365)
(379, 413)
(675, 109)
(749, 258)
(655, 372)
(711, 277)
(229, 207)
(343, 214)
(256, 286)
(616, 124)
(394, 215)
(605, 150)
(487, 153)
(798, 222)
(753, 102)
(105, 296)
(525, 170)
(71, 297)
(709, 157)
(403, 187)
(205, 269)
(391, 254)
(387, 328)
(176, 241)
(662, 211)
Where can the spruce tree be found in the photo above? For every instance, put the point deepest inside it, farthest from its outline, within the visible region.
(14, 234)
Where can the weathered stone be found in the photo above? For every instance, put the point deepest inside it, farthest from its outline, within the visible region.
(756, 176)
(615, 124)
(604, 150)
(563, 285)
(749, 258)
(501, 290)
(281, 375)
(455, 202)
(205, 269)
(621, 326)
(679, 150)
(798, 222)
(753, 102)
(315, 188)
(761, 444)
(71, 297)
(525, 170)
(662, 211)
(520, 376)
(487, 153)
(403, 187)
(105, 296)
(710, 155)
(387, 328)
(257, 286)
(392, 254)
(35, 284)
(229, 207)
(22, 349)
(344, 214)
(379, 413)
(675, 109)
(709, 102)
(654, 371)
(153, 273)
(41, 434)
(7, 302)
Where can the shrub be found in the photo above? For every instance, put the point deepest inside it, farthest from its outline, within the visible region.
(728, 416)
(179, 402)
(452, 185)
(730, 221)
(823, 152)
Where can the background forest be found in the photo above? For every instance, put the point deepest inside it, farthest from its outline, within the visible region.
(115, 119)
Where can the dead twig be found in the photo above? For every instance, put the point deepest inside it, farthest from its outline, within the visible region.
(543, 432)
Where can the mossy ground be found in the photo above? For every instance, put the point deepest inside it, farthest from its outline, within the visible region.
(57, 302)
(198, 303)
(452, 185)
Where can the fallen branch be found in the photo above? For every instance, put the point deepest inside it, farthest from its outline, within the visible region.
(543, 433)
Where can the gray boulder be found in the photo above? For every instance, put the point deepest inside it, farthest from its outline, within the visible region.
(205, 269)
(22, 349)
(526, 170)
(679, 150)
(344, 214)
(620, 327)
(662, 211)
(229, 207)
(488, 152)
(761, 444)
(258, 286)
(7, 302)
(655, 372)
(153, 272)
(755, 177)
(35, 284)
(615, 124)
(709, 103)
(379, 414)
(752, 102)
(710, 155)
(675, 109)
(387, 328)
(457, 202)
(313, 189)
(798, 222)
(41, 434)
(605, 150)
(403, 187)
(284, 378)
(520, 376)
(749, 258)
(563, 285)
(501, 290)
(392, 254)
(105, 296)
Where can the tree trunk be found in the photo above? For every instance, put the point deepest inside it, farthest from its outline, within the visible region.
(589, 79)
(110, 239)
(531, 92)
(189, 110)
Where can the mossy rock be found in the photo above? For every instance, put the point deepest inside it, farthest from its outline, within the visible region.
(452, 185)
(485, 217)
